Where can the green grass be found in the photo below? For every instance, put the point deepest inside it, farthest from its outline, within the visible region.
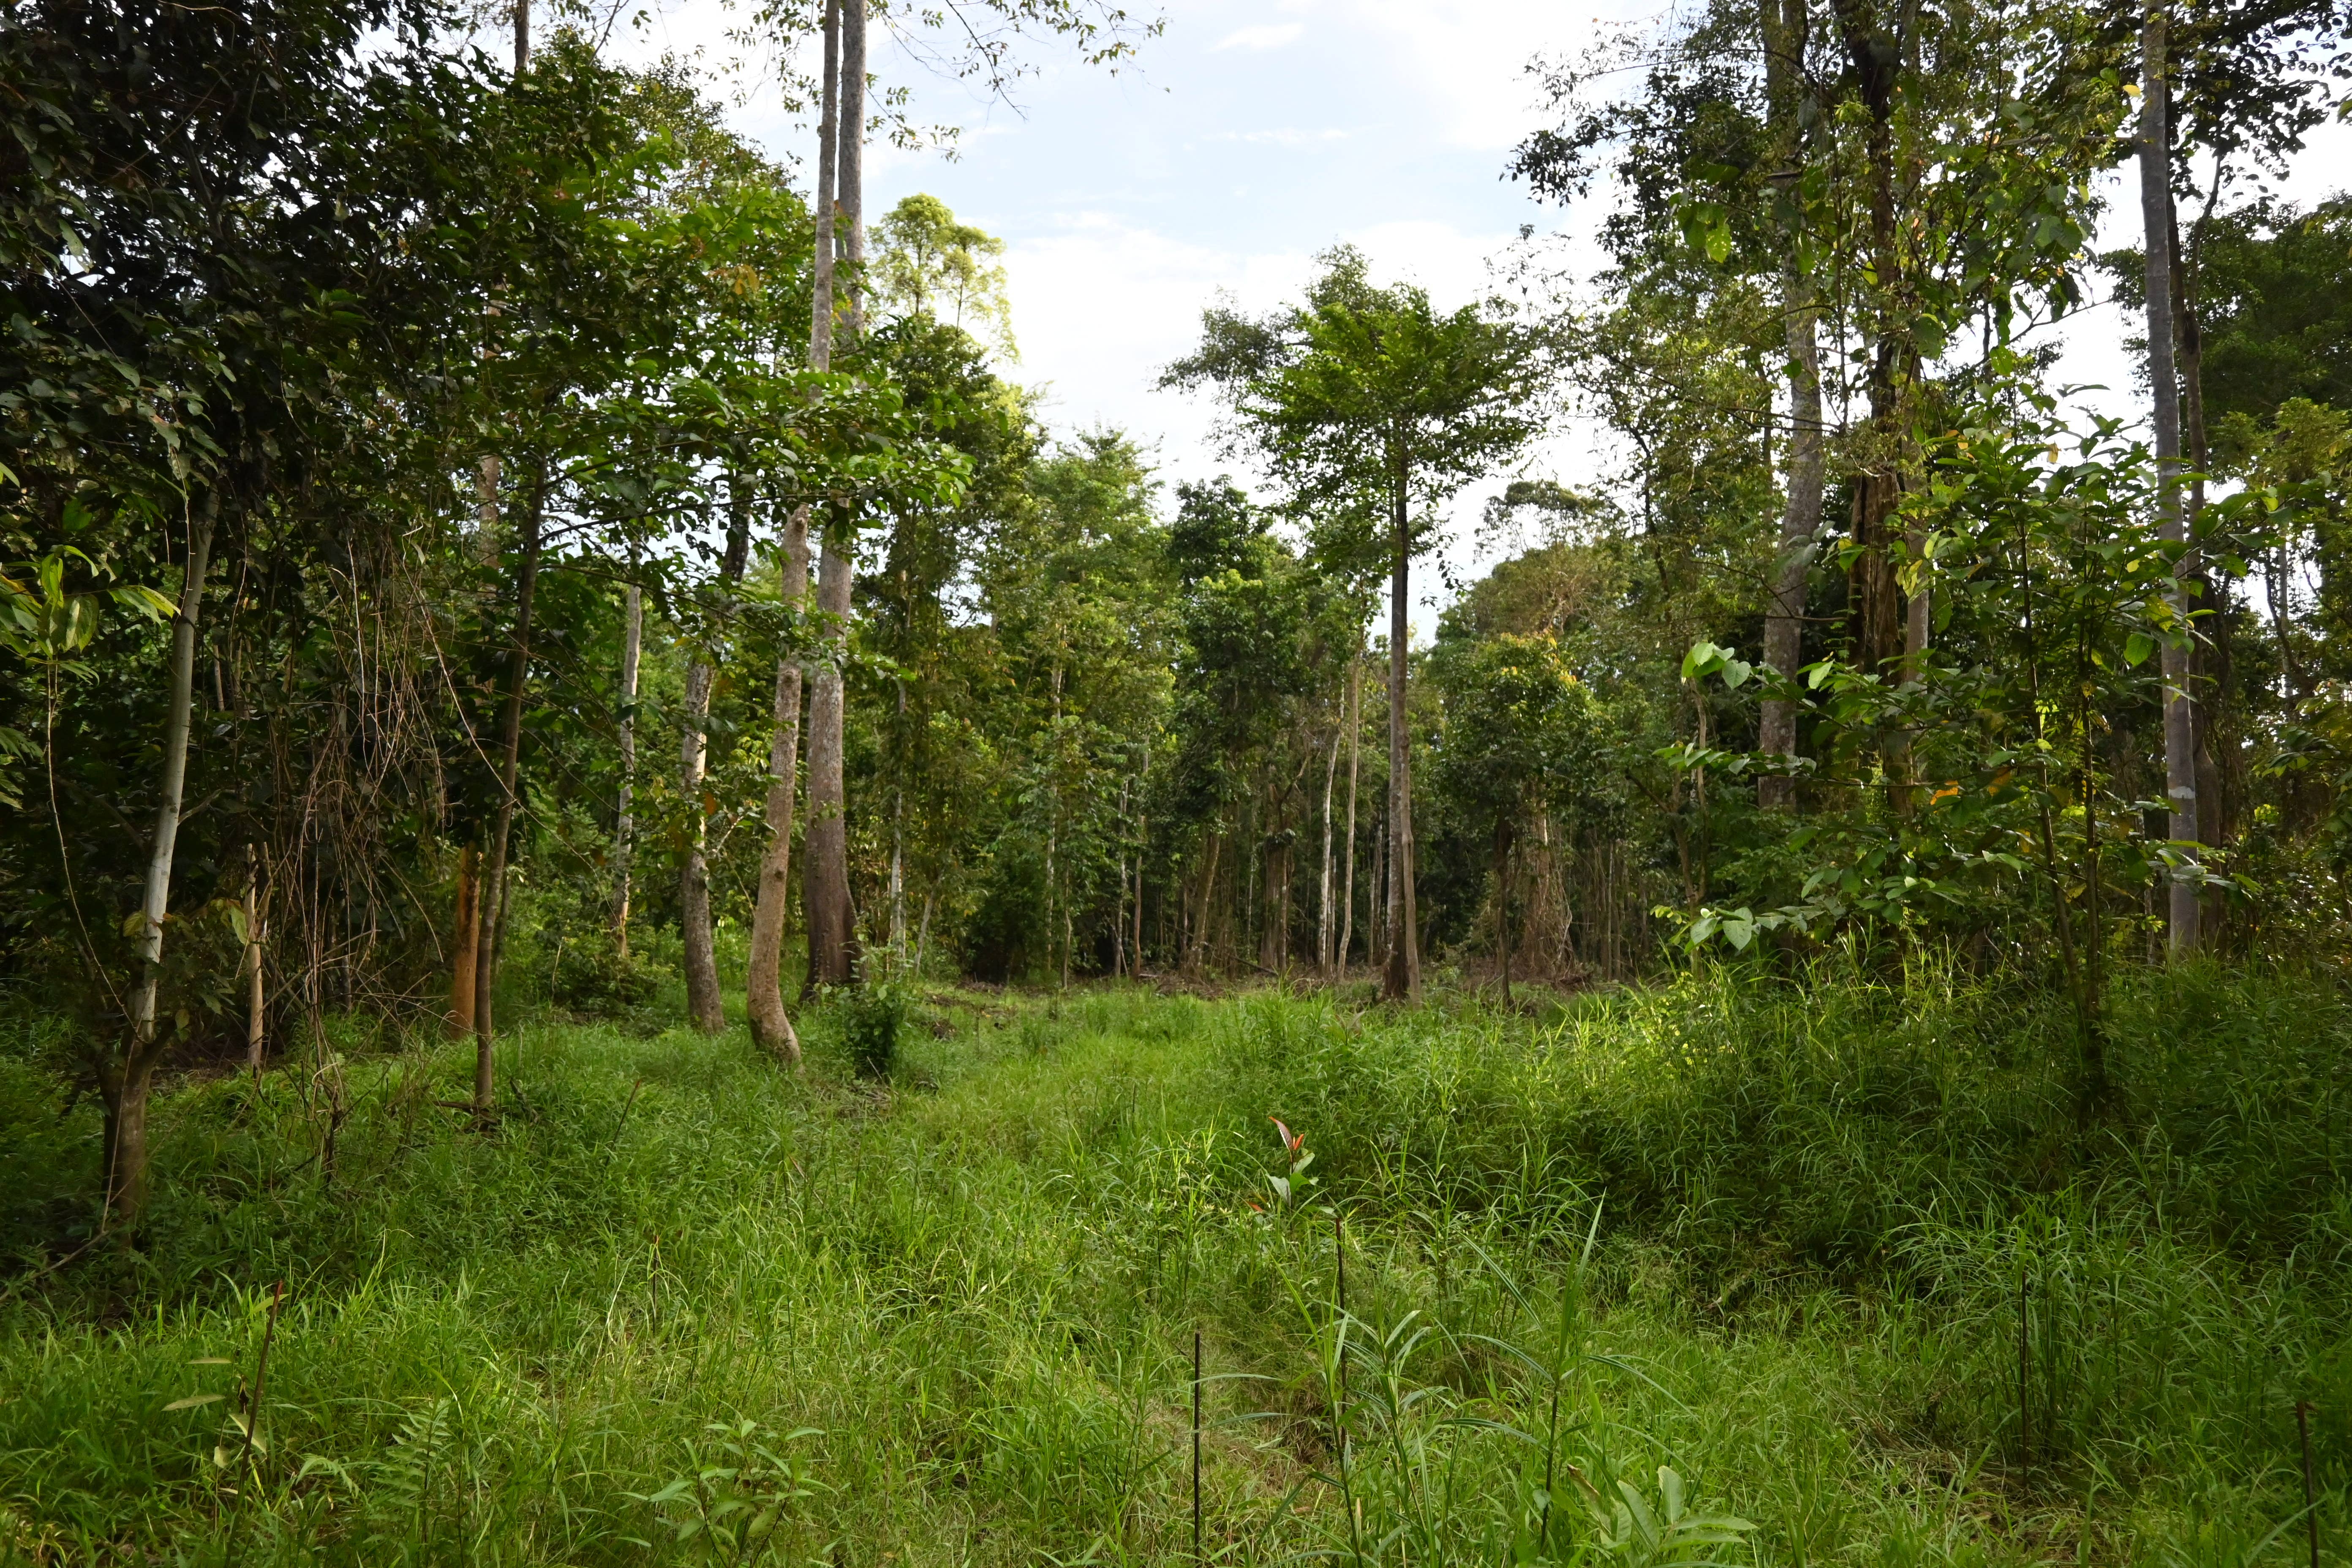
(1767, 1236)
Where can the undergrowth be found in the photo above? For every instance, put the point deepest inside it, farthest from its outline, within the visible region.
(1730, 1271)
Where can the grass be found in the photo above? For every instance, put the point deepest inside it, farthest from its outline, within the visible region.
(1730, 1271)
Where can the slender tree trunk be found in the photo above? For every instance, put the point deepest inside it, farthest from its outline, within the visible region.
(1208, 890)
(467, 944)
(763, 989)
(1327, 921)
(1784, 32)
(625, 823)
(255, 987)
(1355, 737)
(2155, 210)
(129, 1073)
(703, 1003)
(2211, 658)
(1503, 900)
(771, 1026)
(1403, 980)
(832, 932)
(492, 899)
(831, 921)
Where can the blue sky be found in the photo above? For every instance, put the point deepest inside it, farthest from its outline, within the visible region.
(1243, 141)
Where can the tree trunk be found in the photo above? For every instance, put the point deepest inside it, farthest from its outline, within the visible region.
(2156, 211)
(1355, 736)
(831, 921)
(1326, 921)
(703, 1004)
(492, 899)
(1208, 890)
(128, 1072)
(1503, 900)
(625, 823)
(2210, 659)
(1403, 978)
(832, 933)
(467, 941)
(256, 993)
(1784, 27)
(763, 980)
(1882, 628)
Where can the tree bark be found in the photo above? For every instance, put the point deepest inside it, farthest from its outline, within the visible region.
(703, 1003)
(625, 823)
(1355, 736)
(2156, 211)
(128, 1073)
(1403, 979)
(468, 942)
(1327, 921)
(831, 920)
(1784, 28)
(492, 899)
(772, 1028)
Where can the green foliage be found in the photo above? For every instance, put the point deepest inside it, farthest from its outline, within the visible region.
(873, 1020)
(1765, 1235)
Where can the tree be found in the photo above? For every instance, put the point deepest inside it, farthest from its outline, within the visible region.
(1371, 397)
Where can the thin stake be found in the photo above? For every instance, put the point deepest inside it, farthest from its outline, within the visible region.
(2310, 1497)
(1340, 1252)
(2024, 1367)
(1196, 1445)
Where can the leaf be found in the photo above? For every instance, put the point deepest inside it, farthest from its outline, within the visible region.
(192, 1400)
(2137, 647)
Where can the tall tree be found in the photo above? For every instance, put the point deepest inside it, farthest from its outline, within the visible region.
(2156, 214)
(1372, 395)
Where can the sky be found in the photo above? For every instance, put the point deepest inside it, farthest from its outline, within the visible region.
(1238, 144)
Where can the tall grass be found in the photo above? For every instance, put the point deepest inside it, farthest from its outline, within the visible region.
(1731, 1270)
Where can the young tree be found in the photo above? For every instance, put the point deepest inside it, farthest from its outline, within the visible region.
(1373, 396)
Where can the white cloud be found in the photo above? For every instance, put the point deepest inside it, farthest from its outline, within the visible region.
(1266, 37)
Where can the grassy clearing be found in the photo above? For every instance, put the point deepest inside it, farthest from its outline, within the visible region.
(949, 1319)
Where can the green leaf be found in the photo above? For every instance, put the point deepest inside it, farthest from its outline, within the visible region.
(192, 1400)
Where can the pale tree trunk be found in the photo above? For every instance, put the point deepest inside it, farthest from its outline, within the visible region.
(763, 988)
(832, 933)
(128, 1072)
(831, 921)
(1784, 30)
(1326, 923)
(1142, 845)
(466, 947)
(1355, 734)
(625, 821)
(771, 1026)
(1403, 979)
(2156, 211)
(703, 1004)
(491, 900)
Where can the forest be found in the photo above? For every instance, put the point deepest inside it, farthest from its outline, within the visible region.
(645, 916)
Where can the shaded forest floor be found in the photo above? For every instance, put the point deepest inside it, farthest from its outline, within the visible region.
(1842, 1258)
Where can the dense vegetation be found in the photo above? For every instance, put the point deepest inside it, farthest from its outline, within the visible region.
(640, 916)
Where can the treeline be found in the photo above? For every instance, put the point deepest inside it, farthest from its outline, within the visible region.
(473, 529)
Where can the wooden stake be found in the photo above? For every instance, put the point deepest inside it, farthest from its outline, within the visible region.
(1196, 1445)
(2310, 1494)
(2024, 1384)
